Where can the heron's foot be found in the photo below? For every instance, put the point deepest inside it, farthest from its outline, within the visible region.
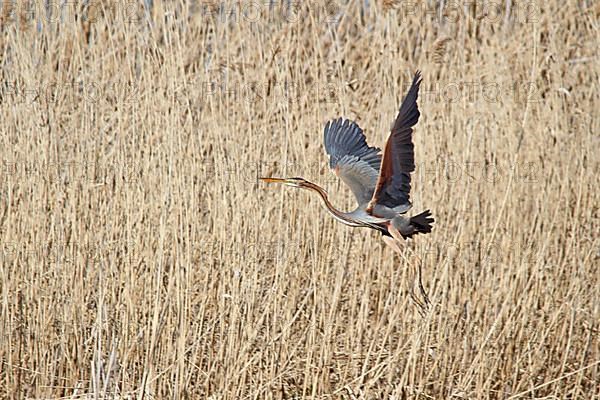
(420, 299)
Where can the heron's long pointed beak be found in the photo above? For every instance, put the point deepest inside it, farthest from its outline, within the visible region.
(274, 180)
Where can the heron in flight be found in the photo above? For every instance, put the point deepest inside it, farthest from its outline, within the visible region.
(380, 182)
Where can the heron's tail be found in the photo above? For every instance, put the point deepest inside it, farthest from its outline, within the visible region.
(422, 222)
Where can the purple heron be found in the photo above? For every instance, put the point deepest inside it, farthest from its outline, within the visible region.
(380, 183)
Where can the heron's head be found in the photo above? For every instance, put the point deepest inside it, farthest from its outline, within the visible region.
(293, 182)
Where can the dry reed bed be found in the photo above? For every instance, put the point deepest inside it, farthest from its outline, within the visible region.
(141, 257)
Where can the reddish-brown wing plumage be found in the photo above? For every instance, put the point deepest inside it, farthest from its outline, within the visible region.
(393, 183)
(385, 174)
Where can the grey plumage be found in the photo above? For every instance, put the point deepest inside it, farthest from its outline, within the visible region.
(353, 160)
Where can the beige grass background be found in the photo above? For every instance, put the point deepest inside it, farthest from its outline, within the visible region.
(141, 258)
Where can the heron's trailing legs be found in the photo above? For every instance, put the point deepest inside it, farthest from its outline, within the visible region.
(423, 303)
(395, 233)
(392, 243)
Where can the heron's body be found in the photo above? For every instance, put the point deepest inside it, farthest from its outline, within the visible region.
(380, 223)
(360, 218)
(380, 182)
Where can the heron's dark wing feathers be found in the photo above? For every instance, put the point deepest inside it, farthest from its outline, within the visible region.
(393, 186)
(351, 158)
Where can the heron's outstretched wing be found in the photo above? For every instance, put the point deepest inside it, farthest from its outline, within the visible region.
(355, 162)
(393, 185)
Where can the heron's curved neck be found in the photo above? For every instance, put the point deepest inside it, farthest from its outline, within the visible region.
(337, 214)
